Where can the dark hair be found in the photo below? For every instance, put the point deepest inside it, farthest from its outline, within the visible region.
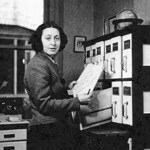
(35, 39)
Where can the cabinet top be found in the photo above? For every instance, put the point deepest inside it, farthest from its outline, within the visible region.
(141, 30)
(12, 119)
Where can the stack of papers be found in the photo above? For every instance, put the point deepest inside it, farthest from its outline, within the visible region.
(87, 80)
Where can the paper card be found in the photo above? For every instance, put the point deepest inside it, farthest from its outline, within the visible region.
(88, 79)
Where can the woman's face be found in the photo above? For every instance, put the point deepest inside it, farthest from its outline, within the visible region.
(51, 40)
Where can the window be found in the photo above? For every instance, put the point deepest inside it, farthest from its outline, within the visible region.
(12, 67)
(15, 53)
(18, 20)
(26, 13)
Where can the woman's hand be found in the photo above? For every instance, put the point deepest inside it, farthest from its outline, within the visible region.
(85, 98)
(72, 84)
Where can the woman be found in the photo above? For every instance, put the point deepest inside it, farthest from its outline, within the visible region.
(50, 103)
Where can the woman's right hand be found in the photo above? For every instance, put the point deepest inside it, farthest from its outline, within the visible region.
(72, 84)
(85, 98)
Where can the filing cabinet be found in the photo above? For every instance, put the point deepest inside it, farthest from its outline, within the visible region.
(112, 58)
(134, 85)
(126, 64)
(13, 135)
(93, 53)
(13, 146)
(99, 57)
(88, 54)
(122, 107)
(127, 56)
(117, 102)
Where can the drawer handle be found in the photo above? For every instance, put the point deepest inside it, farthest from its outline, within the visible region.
(9, 136)
(9, 148)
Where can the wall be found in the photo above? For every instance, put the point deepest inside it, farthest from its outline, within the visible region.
(86, 17)
(103, 10)
(77, 20)
(142, 7)
(53, 10)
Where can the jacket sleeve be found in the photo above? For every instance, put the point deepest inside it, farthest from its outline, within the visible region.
(37, 82)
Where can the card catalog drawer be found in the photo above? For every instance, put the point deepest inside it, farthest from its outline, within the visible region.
(15, 134)
(13, 145)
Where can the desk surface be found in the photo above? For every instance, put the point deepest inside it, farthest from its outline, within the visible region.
(109, 130)
(12, 122)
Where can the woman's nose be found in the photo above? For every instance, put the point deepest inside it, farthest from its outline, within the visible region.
(53, 41)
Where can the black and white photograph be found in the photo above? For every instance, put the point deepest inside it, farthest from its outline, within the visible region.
(74, 74)
(78, 43)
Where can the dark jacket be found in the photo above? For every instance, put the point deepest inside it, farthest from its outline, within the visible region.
(47, 92)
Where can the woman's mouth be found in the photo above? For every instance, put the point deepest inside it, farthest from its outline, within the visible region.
(52, 49)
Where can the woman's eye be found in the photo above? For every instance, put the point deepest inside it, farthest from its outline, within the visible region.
(57, 38)
(48, 38)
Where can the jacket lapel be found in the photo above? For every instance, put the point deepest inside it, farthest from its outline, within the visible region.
(51, 64)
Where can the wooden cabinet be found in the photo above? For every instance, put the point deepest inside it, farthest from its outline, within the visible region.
(127, 69)
(13, 135)
(107, 137)
(126, 62)
(13, 146)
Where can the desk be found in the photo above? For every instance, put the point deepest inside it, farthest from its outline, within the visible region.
(13, 135)
(109, 136)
